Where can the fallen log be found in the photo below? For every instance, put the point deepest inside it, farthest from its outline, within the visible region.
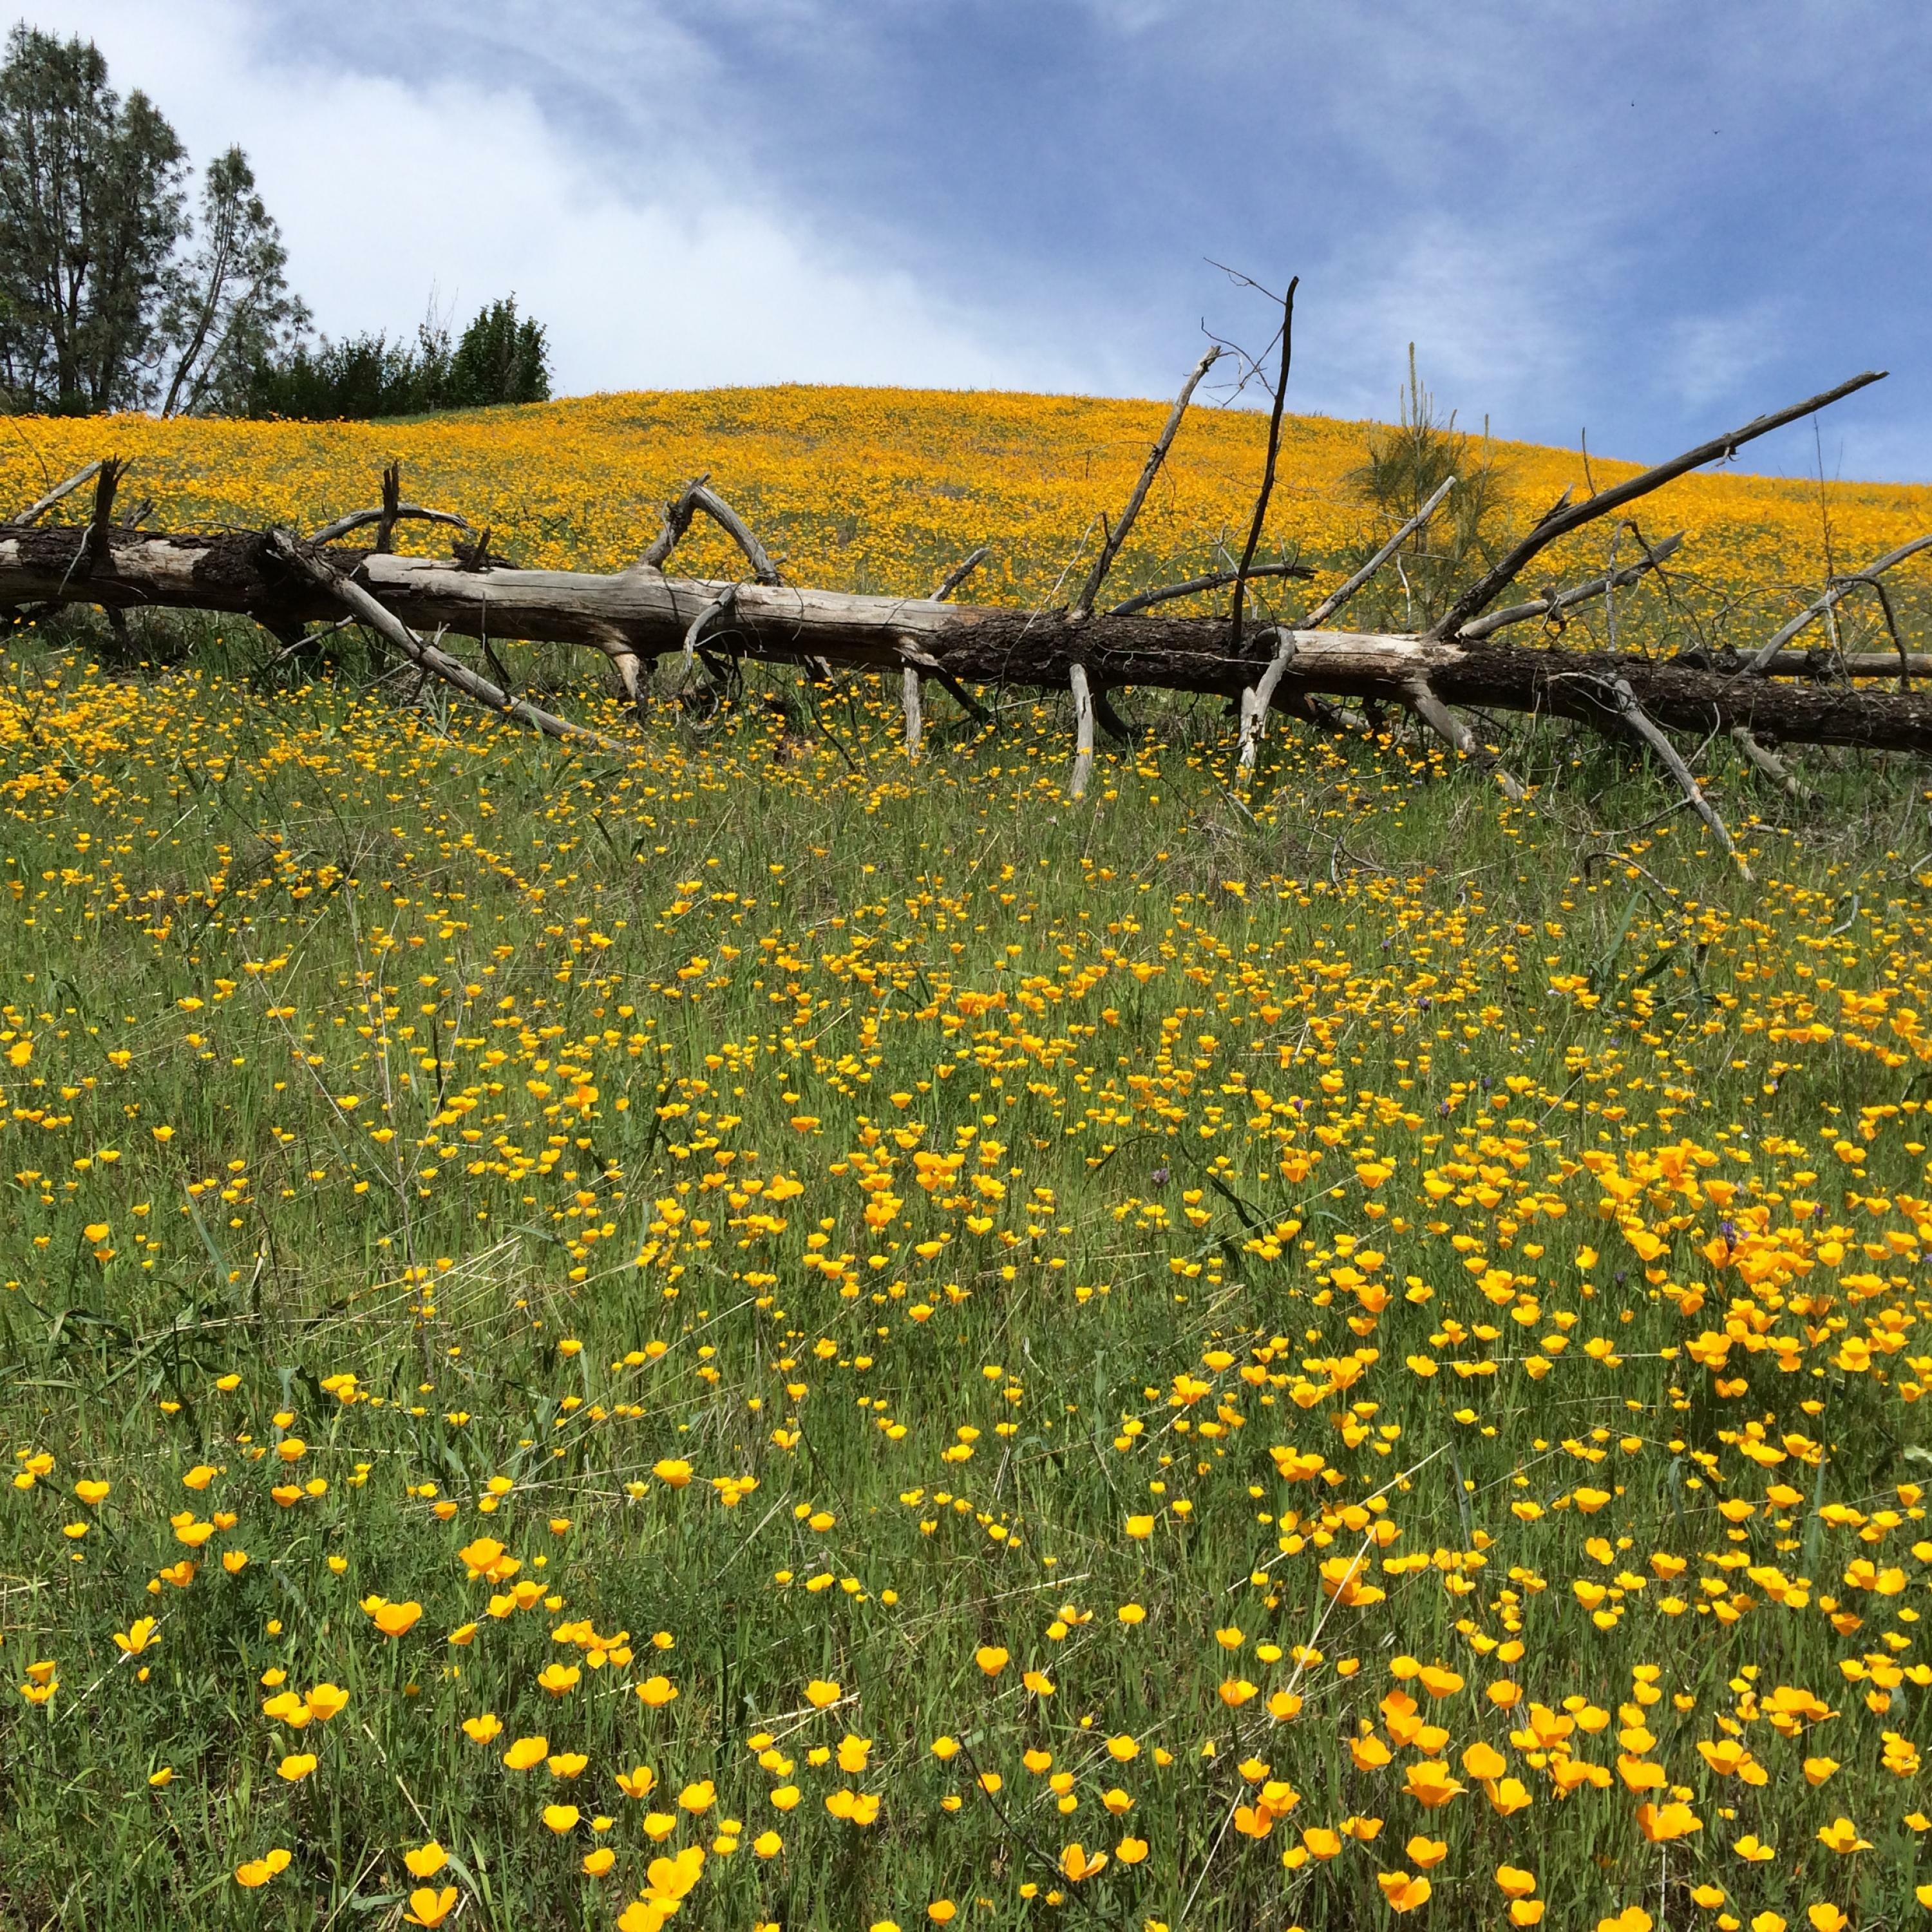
(642, 612)
(1297, 667)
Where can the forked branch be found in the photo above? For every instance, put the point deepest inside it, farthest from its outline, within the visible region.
(696, 496)
(1257, 701)
(1835, 591)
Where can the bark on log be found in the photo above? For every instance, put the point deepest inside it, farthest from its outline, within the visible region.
(645, 612)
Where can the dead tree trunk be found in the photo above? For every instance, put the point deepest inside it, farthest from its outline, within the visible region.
(1778, 695)
(648, 615)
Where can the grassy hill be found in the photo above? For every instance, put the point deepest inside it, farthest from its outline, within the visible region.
(882, 489)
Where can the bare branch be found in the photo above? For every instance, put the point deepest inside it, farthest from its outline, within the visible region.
(677, 515)
(34, 512)
(1254, 709)
(318, 571)
(392, 506)
(97, 540)
(1638, 719)
(958, 573)
(909, 704)
(695, 497)
(1336, 598)
(1217, 580)
(1884, 597)
(1267, 470)
(1559, 601)
(913, 654)
(1836, 588)
(1256, 700)
(1083, 605)
(720, 606)
(1083, 730)
(1560, 522)
(1853, 664)
(1772, 765)
(356, 520)
(1440, 719)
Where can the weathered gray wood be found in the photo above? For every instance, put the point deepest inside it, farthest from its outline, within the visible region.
(1633, 714)
(1331, 605)
(1445, 723)
(306, 563)
(914, 655)
(1083, 730)
(1559, 601)
(1833, 592)
(1259, 698)
(1237, 603)
(909, 704)
(33, 513)
(1772, 765)
(357, 519)
(647, 614)
(695, 497)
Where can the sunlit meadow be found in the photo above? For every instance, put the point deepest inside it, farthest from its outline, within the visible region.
(754, 1335)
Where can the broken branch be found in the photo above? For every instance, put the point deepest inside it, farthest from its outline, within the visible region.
(1634, 715)
(1218, 579)
(1561, 601)
(1110, 548)
(1440, 719)
(1772, 765)
(1262, 692)
(695, 497)
(1336, 598)
(34, 511)
(1266, 490)
(1834, 592)
(958, 573)
(1560, 522)
(357, 519)
(321, 574)
(1083, 730)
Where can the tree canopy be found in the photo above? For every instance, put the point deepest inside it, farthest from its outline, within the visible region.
(124, 284)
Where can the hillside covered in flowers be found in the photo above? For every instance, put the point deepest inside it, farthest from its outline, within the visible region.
(750, 1334)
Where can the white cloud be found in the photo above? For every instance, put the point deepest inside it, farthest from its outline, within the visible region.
(1708, 357)
(391, 191)
(1492, 324)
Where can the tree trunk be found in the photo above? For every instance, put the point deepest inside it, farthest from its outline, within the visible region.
(642, 613)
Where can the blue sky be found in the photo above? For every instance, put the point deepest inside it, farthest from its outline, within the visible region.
(1651, 220)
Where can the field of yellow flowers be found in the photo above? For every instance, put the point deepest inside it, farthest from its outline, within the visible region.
(883, 490)
(753, 1336)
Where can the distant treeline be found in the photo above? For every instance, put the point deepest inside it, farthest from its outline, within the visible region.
(501, 357)
(116, 294)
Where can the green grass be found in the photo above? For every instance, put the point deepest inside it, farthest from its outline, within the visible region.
(231, 907)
